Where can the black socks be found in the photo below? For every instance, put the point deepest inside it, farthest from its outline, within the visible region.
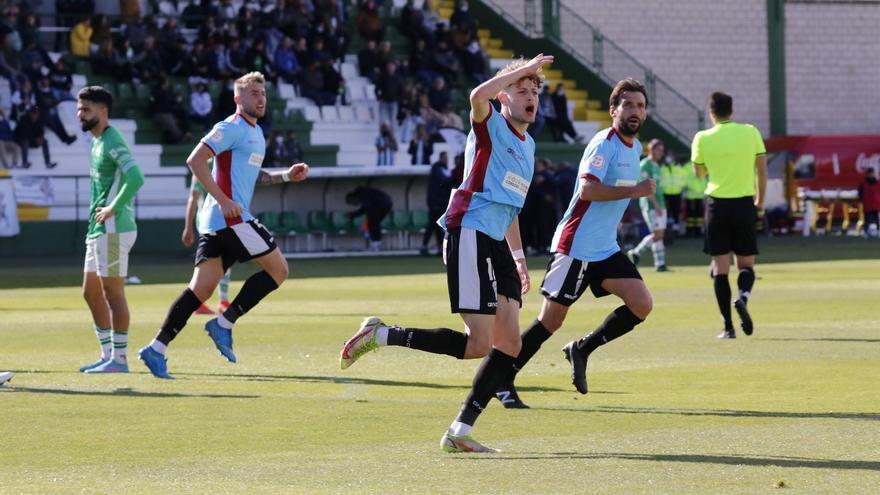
(532, 339)
(435, 340)
(255, 288)
(722, 294)
(491, 373)
(178, 315)
(744, 282)
(617, 324)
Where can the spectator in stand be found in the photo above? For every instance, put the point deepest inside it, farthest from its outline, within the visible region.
(439, 95)
(336, 41)
(69, 11)
(869, 194)
(210, 33)
(48, 104)
(450, 119)
(369, 25)
(9, 28)
(564, 180)
(462, 20)
(81, 38)
(226, 101)
(201, 106)
(389, 90)
(136, 32)
(445, 62)
(259, 61)
(386, 54)
(439, 189)
(430, 20)
(164, 107)
(199, 61)
(61, 79)
(176, 61)
(313, 87)
(100, 30)
(294, 150)
(29, 31)
(147, 64)
(108, 61)
(230, 59)
(23, 99)
(421, 148)
(420, 62)
(29, 133)
(247, 23)
(386, 146)
(547, 111)
(563, 121)
(473, 62)
(432, 119)
(10, 65)
(334, 84)
(10, 152)
(302, 52)
(286, 63)
(192, 15)
(276, 152)
(368, 61)
(408, 110)
(376, 205)
(169, 37)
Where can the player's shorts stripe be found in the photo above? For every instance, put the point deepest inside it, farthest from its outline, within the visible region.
(250, 238)
(112, 255)
(556, 275)
(468, 270)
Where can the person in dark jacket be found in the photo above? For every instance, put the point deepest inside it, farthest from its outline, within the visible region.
(439, 190)
(376, 205)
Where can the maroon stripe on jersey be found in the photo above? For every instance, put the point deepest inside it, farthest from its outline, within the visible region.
(612, 133)
(223, 161)
(461, 199)
(566, 239)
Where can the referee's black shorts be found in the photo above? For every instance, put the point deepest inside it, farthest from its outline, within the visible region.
(730, 226)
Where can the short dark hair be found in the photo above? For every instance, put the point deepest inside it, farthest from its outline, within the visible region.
(721, 104)
(96, 94)
(628, 84)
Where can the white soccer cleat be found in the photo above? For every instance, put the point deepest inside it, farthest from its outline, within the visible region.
(363, 342)
(5, 376)
(463, 443)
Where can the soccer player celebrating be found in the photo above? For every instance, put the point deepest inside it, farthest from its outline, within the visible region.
(653, 209)
(733, 154)
(115, 180)
(486, 275)
(585, 249)
(228, 233)
(194, 203)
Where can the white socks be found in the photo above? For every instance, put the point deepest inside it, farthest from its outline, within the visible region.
(382, 335)
(223, 322)
(458, 428)
(120, 346)
(646, 241)
(105, 341)
(158, 347)
(659, 251)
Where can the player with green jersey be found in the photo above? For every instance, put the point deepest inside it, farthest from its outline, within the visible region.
(115, 180)
(197, 195)
(653, 209)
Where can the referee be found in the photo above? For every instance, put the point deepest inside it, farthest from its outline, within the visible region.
(733, 156)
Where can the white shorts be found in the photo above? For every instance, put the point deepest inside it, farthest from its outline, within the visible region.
(655, 222)
(108, 254)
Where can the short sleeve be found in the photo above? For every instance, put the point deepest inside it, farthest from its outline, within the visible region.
(594, 164)
(759, 143)
(222, 137)
(696, 152)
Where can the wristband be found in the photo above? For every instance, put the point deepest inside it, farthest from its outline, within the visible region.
(285, 176)
(518, 254)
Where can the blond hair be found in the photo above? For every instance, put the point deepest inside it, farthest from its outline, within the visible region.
(537, 78)
(246, 80)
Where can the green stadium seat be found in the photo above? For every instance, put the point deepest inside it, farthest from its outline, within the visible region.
(293, 225)
(269, 219)
(341, 222)
(420, 220)
(320, 224)
(123, 90)
(400, 220)
(142, 91)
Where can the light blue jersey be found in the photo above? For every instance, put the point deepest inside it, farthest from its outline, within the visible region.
(498, 166)
(238, 148)
(588, 230)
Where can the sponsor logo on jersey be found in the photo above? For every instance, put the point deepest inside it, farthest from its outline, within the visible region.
(625, 182)
(597, 162)
(515, 183)
(255, 159)
(216, 136)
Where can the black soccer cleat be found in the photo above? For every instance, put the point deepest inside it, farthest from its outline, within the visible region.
(578, 366)
(743, 311)
(727, 333)
(508, 397)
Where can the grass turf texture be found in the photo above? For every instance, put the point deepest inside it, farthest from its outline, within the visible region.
(671, 409)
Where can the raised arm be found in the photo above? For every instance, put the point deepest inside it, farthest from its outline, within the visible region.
(484, 93)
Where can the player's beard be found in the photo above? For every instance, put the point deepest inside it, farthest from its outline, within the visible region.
(254, 113)
(624, 127)
(88, 125)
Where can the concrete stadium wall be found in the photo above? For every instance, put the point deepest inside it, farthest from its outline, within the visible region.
(832, 68)
(696, 46)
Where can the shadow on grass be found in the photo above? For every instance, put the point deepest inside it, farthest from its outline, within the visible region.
(823, 339)
(869, 416)
(732, 460)
(124, 392)
(344, 381)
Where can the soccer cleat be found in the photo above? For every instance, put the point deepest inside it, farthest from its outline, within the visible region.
(203, 310)
(97, 363)
(222, 307)
(222, 338)
(727, 333)
(578, 366)
(361, 343)
(109, 367)
(633, 257)
(156, 362)
(508, 397)
(743, 311)
(463, 443)
(662, 268)
(5, 376)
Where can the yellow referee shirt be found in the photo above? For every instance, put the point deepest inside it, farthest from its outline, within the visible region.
(728, 152)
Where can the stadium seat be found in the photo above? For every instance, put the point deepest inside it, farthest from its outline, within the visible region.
(312, 113)
(341, 223)
(142, 91)
(420, 220)
(293, 225)
(123, 90)
(269, 219)
(346, 114)
(329, 113)
(320, 224)
(363, 113)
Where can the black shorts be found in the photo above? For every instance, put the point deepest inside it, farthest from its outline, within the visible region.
(239, 243)
(730, 226)
(567, 278)
(478, 270)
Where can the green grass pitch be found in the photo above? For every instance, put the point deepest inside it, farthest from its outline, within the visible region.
(671, 408)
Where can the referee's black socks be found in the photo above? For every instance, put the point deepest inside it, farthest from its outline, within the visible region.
(255, 288)
(722, 294)
(491, 373)
(435, 340)
(178, 315)
(617, 324)
(744, 282)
